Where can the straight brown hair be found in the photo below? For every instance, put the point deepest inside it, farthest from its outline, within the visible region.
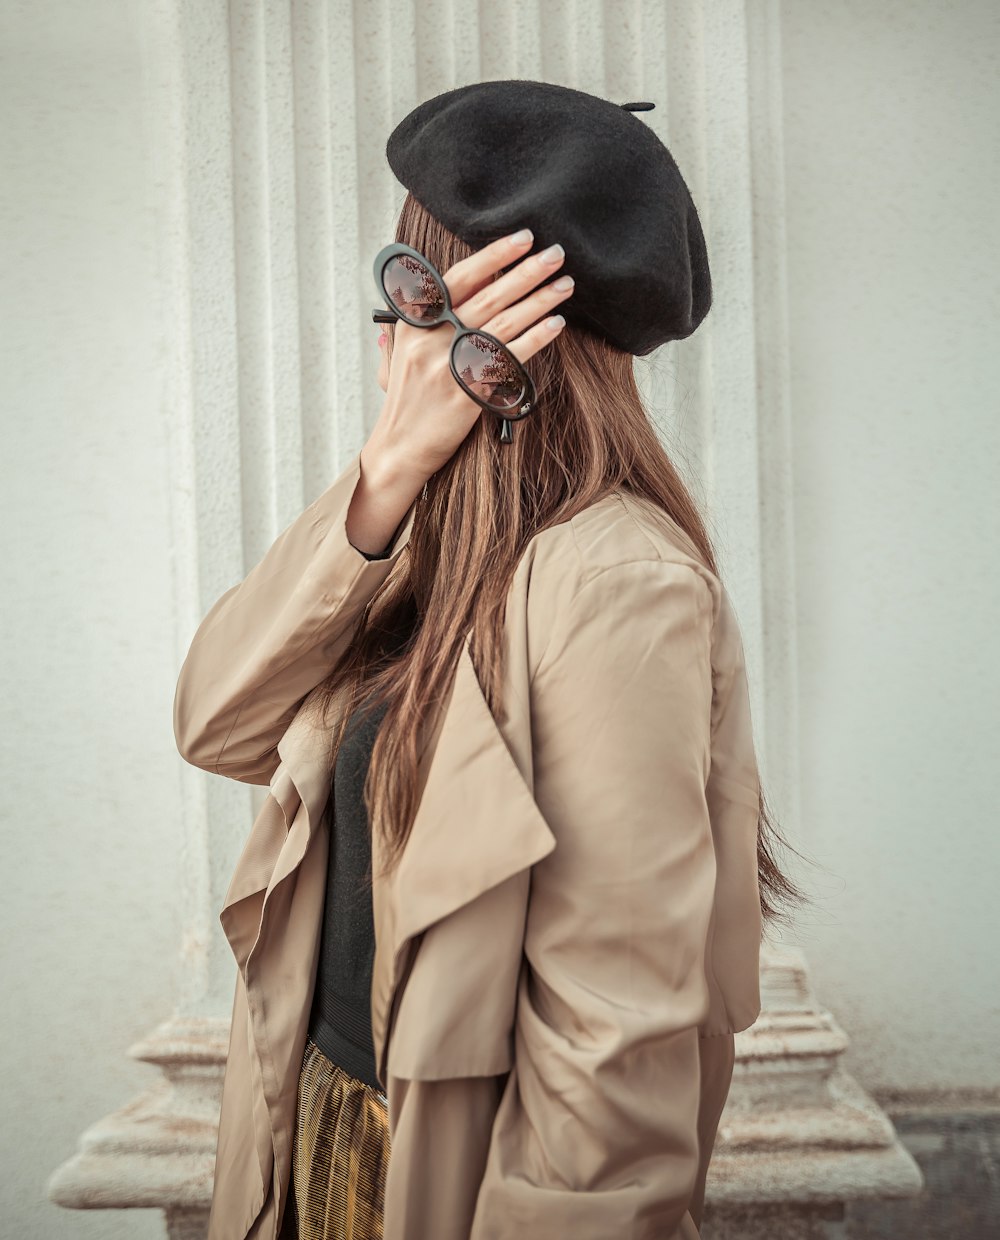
(589, 433)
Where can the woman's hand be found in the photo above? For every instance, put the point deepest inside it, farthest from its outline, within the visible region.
(426, 413)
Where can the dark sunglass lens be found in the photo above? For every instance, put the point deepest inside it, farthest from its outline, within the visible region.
(412, 289)
(488, 371)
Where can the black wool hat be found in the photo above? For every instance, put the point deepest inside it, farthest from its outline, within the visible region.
(492, 157)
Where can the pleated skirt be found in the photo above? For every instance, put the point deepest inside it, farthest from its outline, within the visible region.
(340, 1152)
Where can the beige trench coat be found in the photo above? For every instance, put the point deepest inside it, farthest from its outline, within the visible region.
(572, 936)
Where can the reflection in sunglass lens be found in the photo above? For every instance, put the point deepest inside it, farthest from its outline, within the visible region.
(412, 289)
(488, 371)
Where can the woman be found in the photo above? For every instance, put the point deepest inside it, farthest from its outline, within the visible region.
(503, 681)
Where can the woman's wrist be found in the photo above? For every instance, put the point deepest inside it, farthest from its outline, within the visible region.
(386, 488)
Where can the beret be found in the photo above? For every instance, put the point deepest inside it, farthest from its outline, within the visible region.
(492, 157)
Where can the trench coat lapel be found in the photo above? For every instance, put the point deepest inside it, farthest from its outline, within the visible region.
(281, 832)
(476, 825)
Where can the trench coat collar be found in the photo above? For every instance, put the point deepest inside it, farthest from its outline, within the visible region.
(476, 825)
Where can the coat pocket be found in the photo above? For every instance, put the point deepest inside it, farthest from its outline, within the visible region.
(454, 1010)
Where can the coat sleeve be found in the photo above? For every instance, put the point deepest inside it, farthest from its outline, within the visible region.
(269, 640)
(596, 1135)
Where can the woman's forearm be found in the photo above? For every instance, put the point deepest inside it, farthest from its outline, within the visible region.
(385, 490)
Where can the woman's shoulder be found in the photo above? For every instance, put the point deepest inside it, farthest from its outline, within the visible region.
(619, 531)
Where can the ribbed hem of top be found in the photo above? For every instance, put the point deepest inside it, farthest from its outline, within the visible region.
(337, 1029)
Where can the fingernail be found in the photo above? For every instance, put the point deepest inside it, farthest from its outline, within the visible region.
(563, 283)
(522, 237)
(554, 321)
(552, 254)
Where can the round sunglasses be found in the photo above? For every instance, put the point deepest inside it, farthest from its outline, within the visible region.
(482, 366)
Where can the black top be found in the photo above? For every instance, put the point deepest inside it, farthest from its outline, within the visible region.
(340, 1019)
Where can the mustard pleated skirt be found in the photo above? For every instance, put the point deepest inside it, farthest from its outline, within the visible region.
(340, 1152)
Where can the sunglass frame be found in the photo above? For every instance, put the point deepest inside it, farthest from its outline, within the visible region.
(528, 397)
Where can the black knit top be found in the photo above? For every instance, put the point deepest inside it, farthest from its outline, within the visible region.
(340, 1017)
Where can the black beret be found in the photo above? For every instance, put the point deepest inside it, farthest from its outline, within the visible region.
(492, 157)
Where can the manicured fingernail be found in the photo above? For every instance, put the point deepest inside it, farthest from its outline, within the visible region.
(522, 237)
(563, 283)
(555, 321)
(553, 254)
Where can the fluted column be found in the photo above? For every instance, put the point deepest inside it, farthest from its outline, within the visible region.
(266, 132)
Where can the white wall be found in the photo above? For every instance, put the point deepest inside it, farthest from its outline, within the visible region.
(91, 798)
(891, 129)
(892, 126)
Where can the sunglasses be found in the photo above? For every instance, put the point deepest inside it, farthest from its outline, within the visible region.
(482, 366)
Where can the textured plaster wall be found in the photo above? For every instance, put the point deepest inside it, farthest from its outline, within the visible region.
(91, 798)
(892, 124)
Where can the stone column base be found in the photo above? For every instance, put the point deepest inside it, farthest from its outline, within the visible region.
(157, 1151)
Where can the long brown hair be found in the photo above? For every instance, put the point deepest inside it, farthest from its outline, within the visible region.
(588, 434)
